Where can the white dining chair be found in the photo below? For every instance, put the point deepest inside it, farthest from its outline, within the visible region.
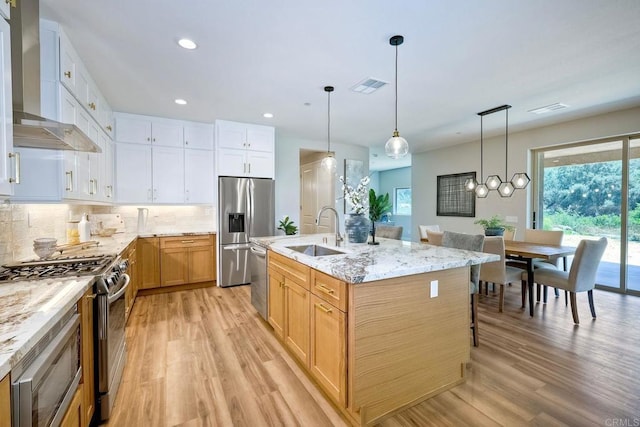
(510, 234)
(434, 237)
(498, 272)
(422, 230)
(471, 242)
(545, 237)
(582, 275)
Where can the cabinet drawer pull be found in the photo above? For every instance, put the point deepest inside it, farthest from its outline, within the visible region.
(323, 308)
(67, 74)
(326, 290)
(186, 241)
(16, 156)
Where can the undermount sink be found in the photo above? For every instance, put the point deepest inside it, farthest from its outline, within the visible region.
(314, 250)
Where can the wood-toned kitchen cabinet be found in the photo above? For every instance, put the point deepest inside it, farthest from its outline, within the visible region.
(5, 401)
(130, 254)
(73, 416)
(327, 348)
(149, 262)
(276, 303)
(187, 259)
(289, 289)
(296, 318)
(87, 360)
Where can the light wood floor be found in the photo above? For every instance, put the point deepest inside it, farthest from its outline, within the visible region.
(205, 358)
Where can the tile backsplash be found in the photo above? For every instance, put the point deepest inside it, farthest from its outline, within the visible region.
(21, 223)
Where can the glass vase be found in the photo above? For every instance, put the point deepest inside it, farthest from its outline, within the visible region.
(357, 227)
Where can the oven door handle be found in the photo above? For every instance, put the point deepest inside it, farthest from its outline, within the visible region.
(111, 299)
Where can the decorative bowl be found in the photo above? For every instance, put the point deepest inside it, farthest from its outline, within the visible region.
(106, 232)
(45, 252)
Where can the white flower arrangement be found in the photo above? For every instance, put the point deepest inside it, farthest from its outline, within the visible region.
(357, 197)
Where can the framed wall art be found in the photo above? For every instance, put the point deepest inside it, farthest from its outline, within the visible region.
(452, 198)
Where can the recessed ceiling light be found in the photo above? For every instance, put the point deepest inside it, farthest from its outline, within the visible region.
(267, 115)
(180, 101)
(187, 44)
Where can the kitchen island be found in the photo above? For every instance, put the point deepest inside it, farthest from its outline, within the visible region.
(379, 328)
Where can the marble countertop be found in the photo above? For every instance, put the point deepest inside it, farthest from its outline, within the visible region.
(365, 263)
(29, 308)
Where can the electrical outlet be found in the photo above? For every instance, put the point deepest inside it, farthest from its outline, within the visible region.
(434, 288)
(511, 218)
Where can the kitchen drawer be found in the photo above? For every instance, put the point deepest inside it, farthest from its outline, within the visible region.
(289, 268)
(186, 241)
(330, 289)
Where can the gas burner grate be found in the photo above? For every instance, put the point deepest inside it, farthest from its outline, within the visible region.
(56, 268)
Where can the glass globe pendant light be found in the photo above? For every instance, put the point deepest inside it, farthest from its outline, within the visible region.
(396, 147)
(329, 162)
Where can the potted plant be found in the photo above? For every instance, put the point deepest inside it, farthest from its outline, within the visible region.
(378, 206)
(494, 226)
(287, 226)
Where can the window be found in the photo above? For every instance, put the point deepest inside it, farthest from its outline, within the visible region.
(402, 202)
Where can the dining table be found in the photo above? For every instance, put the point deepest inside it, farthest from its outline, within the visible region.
(527, 252)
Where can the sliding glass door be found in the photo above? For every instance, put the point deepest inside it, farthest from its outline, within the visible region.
(591, 190)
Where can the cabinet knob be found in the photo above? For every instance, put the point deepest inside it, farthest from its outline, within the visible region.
(109, 128)
(11, 2)
(92, 106)
(67, 74)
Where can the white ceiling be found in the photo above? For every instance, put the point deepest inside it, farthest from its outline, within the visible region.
(459, 57)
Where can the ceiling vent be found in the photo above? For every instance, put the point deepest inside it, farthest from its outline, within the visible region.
(549, 108)
(368, 85)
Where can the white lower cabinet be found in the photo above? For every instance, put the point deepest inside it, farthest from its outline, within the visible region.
(199, 185)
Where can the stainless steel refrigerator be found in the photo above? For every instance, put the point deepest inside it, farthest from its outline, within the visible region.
(245, 209)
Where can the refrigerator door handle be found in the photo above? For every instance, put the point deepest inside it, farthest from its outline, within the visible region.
(241, 247)
(259, 251)
(250, 188)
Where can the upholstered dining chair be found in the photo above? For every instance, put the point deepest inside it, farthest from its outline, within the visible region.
(435, 237)
(422, 230)
(582, 275)
(510, 234)
(498, 272)
(389, 231)
(471, 242)
(545, 237)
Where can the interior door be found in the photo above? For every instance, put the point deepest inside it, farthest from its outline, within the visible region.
(317, 190)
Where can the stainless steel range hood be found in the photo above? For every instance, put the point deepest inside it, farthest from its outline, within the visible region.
(30, 129)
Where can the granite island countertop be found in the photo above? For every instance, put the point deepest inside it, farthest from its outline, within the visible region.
(362, 263)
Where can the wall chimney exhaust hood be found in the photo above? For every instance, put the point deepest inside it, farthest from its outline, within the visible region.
(30, 129)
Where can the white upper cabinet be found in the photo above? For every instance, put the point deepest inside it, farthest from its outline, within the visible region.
(245, 149)
(198, 135)
(199, 187)
(135, 129)
(5, 8)
(133, 173)
(168, 174)
(9, 161)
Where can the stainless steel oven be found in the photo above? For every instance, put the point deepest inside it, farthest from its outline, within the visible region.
(46, 379)
(111, 352)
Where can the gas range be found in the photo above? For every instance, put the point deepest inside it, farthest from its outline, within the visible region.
(57, 268)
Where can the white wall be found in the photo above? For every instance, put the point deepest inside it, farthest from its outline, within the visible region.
(466, 158)
(288, 173)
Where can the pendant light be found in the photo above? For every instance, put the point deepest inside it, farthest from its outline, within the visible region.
(329, 162)
(505, 188)
(396, 147)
